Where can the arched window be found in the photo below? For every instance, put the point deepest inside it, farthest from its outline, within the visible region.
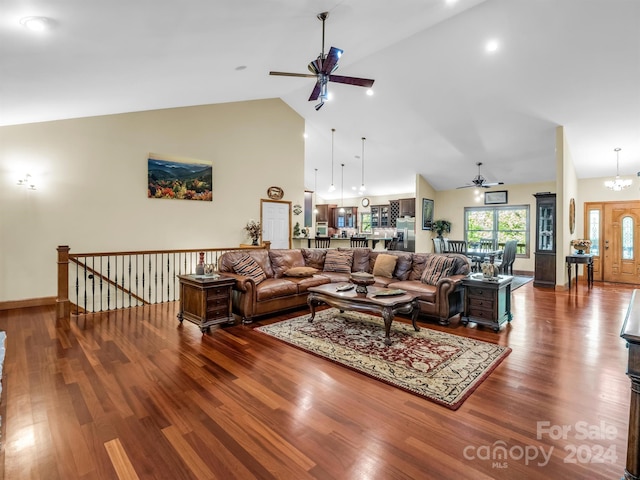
(627, 238)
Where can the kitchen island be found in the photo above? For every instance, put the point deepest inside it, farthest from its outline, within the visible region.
(344, 242)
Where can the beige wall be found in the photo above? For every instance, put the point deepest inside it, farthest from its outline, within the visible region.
(91, 175)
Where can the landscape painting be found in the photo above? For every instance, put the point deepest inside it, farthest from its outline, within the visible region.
(181, 179)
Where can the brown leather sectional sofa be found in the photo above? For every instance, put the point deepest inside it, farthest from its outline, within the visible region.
(279, 292)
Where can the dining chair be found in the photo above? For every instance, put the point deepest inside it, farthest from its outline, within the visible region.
(393, 244)
(486, 245)
(439, 245)
(323, 242)
(456, 246)
(359, 242)
(505, 265)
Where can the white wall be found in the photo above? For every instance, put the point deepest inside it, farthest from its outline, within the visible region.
(91, 176)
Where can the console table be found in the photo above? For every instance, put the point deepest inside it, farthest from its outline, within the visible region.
(205, 300)
(487, 302)
(585, 259)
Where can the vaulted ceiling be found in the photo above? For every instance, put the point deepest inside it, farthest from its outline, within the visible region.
(441, 102)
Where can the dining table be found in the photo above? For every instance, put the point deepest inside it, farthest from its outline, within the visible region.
(479, 256)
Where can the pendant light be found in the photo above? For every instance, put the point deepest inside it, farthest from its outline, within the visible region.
(315, 195)
(362, 187)
(342, 191)
(332, 187)
(617, 184)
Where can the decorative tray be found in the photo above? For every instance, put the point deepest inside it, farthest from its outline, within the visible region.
(389, 292)
(345, 287)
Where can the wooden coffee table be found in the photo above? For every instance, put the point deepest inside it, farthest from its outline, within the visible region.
(387, 306)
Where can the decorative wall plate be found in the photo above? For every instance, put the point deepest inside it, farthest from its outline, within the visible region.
(297, 209)
(365, 202)
(275, 193)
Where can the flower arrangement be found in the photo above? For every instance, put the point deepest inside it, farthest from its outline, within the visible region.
(441, 226)
(581, 244)
(253, 229)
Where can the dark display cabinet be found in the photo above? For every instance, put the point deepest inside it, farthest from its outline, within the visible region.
(545, 252)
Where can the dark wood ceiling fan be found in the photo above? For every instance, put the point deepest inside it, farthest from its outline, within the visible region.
(322, 68)
(479, 181)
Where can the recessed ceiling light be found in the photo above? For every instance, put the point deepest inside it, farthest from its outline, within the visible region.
(369, 91)
(492, 46)
(36, 24)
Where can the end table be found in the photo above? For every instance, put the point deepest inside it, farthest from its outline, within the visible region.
(487, 302)
(205, 300)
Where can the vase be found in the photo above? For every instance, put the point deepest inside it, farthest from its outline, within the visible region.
(580, 252)
(254, 241)
(200, 265)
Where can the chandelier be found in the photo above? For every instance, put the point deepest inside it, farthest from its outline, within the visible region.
(617, 184)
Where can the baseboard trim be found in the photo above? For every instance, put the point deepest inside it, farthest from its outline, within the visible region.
(30, 302)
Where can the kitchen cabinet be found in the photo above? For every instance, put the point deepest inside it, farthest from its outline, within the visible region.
(348, 219)
(379, 216)
(324, 213)
(545, 252)
(407, 207)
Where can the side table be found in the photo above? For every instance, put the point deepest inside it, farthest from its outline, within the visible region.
(487, 302)
(585, 259)
(205, 300)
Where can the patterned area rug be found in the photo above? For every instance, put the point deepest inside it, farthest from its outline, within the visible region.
(441, 367)
(518, 281)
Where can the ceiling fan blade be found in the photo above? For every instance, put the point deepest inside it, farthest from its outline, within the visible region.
(316, 92)
(493, 184)
(329, 63)
(287, 74)
(359, 82)
(466, 186)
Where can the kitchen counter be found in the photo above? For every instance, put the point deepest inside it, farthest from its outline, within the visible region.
(309, 242)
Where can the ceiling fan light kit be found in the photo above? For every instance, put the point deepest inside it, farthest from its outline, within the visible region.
(322, 68)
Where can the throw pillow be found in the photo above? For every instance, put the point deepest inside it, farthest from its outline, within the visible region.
(300, 272)
(338, 261)
(249, 267)
(437, 267)
(385, 265)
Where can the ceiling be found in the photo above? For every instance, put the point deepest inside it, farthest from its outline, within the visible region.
(441, 103)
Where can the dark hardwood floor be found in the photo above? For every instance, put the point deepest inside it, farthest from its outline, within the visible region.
(133, 394)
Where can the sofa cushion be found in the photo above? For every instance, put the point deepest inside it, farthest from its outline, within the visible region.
(314, 257)
(436, 267)
(300, 272)
(425, 292)
(338, 261)
(276, 287)
(403, 265)
(247, 266)
(360, 259)
(305, 282)
(284, 259)
(385, 265)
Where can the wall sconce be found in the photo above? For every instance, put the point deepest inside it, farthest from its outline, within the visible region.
(28, 182)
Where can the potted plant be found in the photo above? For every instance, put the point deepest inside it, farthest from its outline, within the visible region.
(441, 226)
(253, 230)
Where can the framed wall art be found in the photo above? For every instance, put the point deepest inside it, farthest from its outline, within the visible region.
(177, 178)
(427, 214)
(495, 198)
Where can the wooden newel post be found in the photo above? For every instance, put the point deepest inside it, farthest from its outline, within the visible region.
(62, 300)
(631, 333)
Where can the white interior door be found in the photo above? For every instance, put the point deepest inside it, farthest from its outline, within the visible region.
(275, 218)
